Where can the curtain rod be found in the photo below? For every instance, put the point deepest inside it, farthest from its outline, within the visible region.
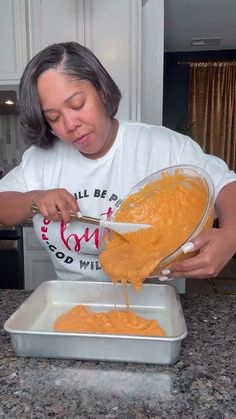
(205, 62)
(193, 62)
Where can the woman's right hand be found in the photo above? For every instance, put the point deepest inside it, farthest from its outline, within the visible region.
(51, 201)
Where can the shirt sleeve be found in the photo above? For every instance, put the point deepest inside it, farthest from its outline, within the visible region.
(13, 181)
(26, 176)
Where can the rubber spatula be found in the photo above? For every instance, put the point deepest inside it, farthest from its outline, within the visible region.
(119, 227)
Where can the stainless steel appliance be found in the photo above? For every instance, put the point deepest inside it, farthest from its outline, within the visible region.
(11, 258)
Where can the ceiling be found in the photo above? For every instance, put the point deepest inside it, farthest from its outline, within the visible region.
(187, 19)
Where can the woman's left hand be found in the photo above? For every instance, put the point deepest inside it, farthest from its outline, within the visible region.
(215, 248)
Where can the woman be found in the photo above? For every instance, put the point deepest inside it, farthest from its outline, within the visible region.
(83, 159)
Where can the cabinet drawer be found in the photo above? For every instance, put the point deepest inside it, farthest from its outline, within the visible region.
(31, 241)
(38, 266)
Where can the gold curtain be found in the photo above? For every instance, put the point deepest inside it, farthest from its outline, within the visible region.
(212, 108)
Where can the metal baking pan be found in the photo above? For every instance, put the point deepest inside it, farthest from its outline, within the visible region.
(32, 334)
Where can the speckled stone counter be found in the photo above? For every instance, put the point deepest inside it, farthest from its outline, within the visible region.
(200, 385)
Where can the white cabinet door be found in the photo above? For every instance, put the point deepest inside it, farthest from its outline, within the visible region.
(113, 33)
(110, 28)
(38, 266)
(12, 41)
(53, 21)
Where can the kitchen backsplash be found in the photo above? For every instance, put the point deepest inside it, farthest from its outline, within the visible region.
(12, 145)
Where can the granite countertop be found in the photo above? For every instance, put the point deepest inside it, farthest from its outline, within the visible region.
(200, 385)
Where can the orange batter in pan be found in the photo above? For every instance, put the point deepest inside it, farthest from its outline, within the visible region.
(81, 319)
(173, 205)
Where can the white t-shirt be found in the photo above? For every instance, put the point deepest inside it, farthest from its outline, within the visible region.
(138, 151)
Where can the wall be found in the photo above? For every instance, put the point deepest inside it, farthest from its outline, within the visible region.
(176, 81)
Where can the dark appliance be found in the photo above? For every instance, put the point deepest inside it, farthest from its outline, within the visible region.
(11, 258)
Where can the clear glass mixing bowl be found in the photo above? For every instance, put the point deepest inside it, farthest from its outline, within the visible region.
(206, 221)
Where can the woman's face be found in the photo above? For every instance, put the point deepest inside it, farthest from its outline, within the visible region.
(75, 112)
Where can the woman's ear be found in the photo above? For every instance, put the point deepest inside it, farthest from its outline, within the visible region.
(102, 96)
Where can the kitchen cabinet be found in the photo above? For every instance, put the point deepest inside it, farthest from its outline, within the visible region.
(113, 33)
(13, 46)
(121, 34)
(38, 266)
(97, 25)
(51, 21)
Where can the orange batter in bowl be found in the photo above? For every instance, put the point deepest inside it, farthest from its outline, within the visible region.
(174, 205)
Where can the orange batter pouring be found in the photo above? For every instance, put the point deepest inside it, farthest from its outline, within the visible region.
(174, 206)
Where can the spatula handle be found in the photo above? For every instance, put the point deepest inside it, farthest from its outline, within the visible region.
(83, 219)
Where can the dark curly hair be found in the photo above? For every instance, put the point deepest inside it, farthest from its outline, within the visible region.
(77, 62)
